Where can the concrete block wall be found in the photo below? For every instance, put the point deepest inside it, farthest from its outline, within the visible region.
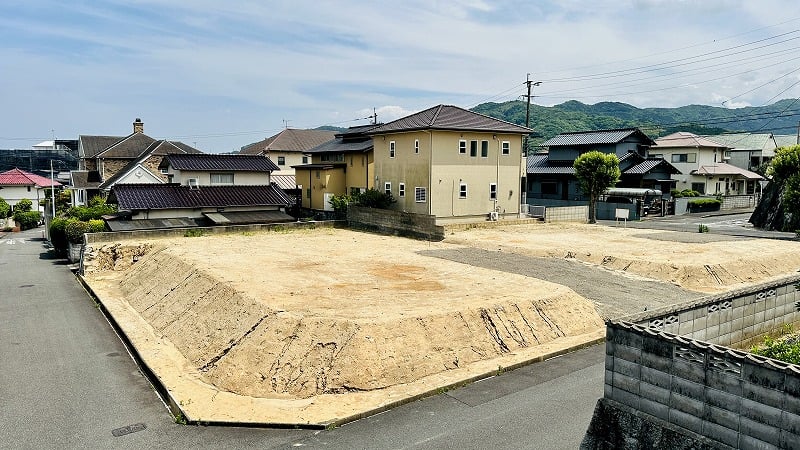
(733, 398)
(567, 214)
(736, 319)
(738, 201)
(401, 223)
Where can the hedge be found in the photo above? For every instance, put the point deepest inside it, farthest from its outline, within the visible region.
(28, 219)
(704, 204)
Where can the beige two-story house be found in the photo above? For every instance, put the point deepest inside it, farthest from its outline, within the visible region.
(449, 162)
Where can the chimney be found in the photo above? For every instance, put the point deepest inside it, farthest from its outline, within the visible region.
(138, 126)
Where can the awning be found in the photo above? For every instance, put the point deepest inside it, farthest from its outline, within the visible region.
(246, 217)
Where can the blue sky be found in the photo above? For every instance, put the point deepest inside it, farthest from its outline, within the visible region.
(223, 74)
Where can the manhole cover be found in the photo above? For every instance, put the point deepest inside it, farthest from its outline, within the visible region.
(128, 430)
(26, 285)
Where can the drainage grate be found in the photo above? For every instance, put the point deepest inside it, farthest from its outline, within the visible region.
(128, 430)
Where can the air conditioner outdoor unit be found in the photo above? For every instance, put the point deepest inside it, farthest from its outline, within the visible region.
(493, 215)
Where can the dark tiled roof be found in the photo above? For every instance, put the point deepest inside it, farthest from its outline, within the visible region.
(289, 140)
(81, 179)
(129, 147)
(244, 217)
(540, 164)
(596, 137)
(448, 117)
(157, 224)
(284, 181)
(92, 145)
(174, 196)
(235, 163)
(340, 145)
(184, 147)
(648, 165)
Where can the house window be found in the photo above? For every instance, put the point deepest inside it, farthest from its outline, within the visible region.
(387, 188)
(506, 147)
(222, 178)
(492, 191)
(332, 158)
(684, 157)
(484, 149)
(549, 188)
(308, 193)
(699, 187)
(420, 195)
(462, 190)
(473, 148)
(281, 160)
(391, 149)
(401, 190)
(362, 161)
(351, 161)
(462, 147)
(356, 190)
(416, 146)
(164, 170)
(305, 159)
(317, 174)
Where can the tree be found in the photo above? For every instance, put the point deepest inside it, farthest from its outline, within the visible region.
(5, 208)
(23, 205)
(596, 171)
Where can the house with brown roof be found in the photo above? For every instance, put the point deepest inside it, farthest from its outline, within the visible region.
(450, 162)
(112, 159)
(172, 205)
(287, 148)
(17, 184)
(203, 190)
(704, 166)
(343, 165)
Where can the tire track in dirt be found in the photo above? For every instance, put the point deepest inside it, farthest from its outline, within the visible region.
(615, 295)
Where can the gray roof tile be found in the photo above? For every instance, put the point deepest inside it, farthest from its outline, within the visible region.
(174, 196)
(90, 146)
(234, 163)
(448, 117)
(596, 137)
(289, 140)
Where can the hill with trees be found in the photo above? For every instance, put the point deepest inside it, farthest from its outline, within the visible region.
(779, 118)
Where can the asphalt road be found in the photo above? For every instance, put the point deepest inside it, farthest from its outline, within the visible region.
(718, 223)
(66, 381)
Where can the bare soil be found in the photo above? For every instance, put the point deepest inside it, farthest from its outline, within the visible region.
(310, 326)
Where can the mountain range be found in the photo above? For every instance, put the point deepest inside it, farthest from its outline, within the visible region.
(547, 121)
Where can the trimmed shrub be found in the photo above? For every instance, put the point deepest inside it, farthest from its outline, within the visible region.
(373, 198)
(58, 233)
(28, 219)
(96, 226)
(704, 204)
(75, 230)
(23, 205)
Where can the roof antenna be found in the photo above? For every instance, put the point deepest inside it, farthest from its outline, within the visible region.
(286, 124)
(374, 116)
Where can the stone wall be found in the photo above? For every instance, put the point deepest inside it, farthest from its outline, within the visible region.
(670, 369)
(733, 398)
(735, 319)
(738, 201)
(567, 214)
(420, 226)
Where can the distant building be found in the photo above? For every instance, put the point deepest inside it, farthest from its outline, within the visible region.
(288, 148)
(16, 184)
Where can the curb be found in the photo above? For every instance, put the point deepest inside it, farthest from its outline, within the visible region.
(178, 413)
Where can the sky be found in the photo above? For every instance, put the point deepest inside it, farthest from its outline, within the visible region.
(222, 74)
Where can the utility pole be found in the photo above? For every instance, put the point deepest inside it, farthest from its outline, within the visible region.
(530, 83)
(798, 134)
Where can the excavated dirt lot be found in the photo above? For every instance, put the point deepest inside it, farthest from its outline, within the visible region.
(317, 326)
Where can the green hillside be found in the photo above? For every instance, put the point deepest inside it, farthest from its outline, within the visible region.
(779, 118)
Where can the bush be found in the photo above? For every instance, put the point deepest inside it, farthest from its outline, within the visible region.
(786, 350)
(704, 204)
(75, 230)
(96, 226)
(340, 202)
(28, 219)
(23, 205)
(373, 198)
(5, 208)
(702, 228)
(58, 233)
(87, 213)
